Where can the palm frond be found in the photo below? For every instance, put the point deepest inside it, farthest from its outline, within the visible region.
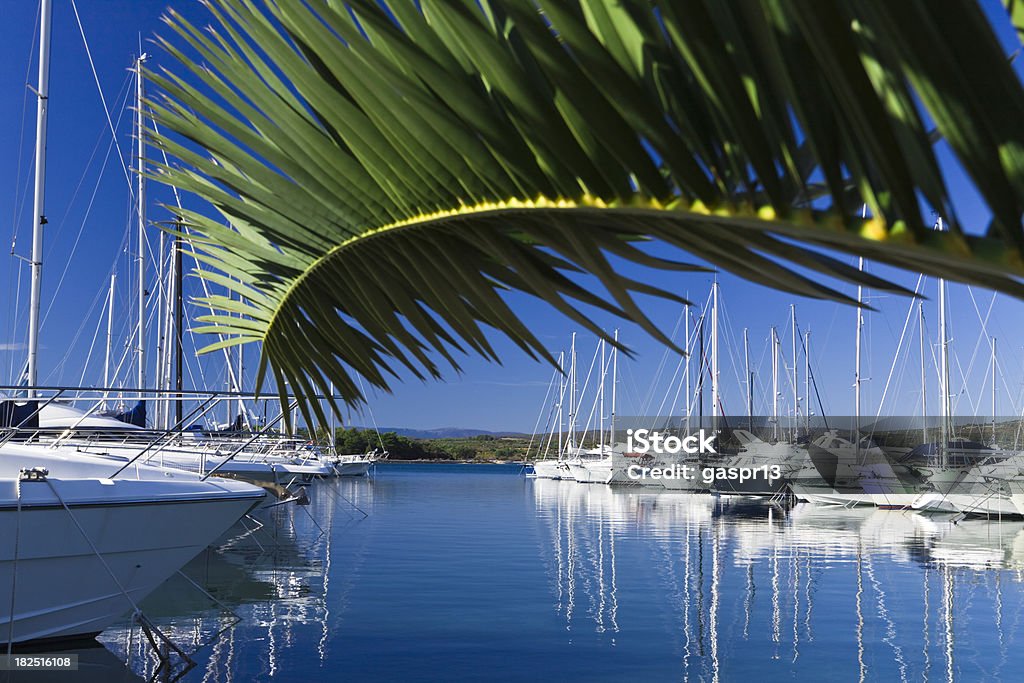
(384, 171)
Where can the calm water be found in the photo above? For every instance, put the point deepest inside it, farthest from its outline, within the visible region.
(473, 573)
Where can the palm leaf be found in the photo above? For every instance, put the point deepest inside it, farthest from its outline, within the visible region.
(385, 171)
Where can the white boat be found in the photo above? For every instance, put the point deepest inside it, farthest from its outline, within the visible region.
(354, 465)
(550, 469)
(266, 458)
(80, 550)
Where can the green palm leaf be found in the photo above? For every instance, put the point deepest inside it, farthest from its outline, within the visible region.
(387, 170)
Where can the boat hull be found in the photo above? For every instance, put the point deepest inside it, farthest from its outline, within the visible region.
(48, 556)
(352, 469)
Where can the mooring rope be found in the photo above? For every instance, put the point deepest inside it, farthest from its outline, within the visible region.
(138, 616)
(14, 570)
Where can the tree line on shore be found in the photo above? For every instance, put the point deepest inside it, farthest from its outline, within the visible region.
(480, 447)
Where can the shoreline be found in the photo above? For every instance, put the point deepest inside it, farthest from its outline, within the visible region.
(437, 461)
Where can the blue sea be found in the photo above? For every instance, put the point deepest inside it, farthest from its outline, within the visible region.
(474, 572)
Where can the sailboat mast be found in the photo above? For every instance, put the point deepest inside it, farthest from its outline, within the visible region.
(924, 377)
(615, 380)
(600, 403)
(42, 102)
(110, 331)
(178, 330)
(331, 438)
(686, 371)
(141, 197)
(993, 391)
(746, 368)
(160, 308)
(807, 381)
(856, 369)
(775, 384)
(561, 397)
(796, 394)
(714, 357)
(943, 367)
(570, 443)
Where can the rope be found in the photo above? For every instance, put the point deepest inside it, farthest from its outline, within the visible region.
(899, 345)
(92, 546)
(147, 626)
(14, 570)
(369, 410)
(540, 414)
(99, 88)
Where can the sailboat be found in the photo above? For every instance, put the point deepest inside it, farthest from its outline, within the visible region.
(599, 465)
(547, 467)
(64, 514)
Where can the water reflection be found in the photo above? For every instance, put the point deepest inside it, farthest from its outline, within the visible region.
(755, 589)
(459, 571)
(267, 578)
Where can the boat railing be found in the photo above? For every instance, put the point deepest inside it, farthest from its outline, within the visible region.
(23, 415)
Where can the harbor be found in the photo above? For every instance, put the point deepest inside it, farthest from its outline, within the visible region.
(458, 569)
(511, 340)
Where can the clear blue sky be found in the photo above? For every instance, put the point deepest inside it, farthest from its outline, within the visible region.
(89, 210)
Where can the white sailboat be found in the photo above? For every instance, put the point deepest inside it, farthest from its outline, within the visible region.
(80, 547)
(555, 468)
(599, 465)
(119, 539)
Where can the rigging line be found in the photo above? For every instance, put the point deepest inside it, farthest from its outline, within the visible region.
(370, 411)
(540, 413)
(78, 238)
(661, 364)
(583, 392)
(74, 340)
(55, 238)
(983, 335)
(14, 570)
(732, 344)
(192, 250)
(92, 346)
(103, 100)
(17, 208)
(899, 345)
(17, 297)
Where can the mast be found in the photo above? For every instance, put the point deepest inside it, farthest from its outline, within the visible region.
(943, 368)
(238, 387)
(161, 308)
(38, 202)
(750, 378)
(571, 441)
(600, 402)
(615, 380)
(714, 357)
(178, 330)
(700, 374)
(796, 394)
(924, 377)
(110, 331)
(856, 368)
(141, 259)
(561, 397)
(775, 384)
(686, 370)
(807, 381)
(332, 436)
(993, 391)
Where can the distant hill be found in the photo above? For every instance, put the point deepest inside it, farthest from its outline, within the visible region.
(441, 432)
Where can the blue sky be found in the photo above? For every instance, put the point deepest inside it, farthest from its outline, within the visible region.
(89, 211)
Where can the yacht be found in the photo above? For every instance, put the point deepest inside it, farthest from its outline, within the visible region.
(65, 515)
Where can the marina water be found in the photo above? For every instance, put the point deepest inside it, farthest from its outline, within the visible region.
(473, 572)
